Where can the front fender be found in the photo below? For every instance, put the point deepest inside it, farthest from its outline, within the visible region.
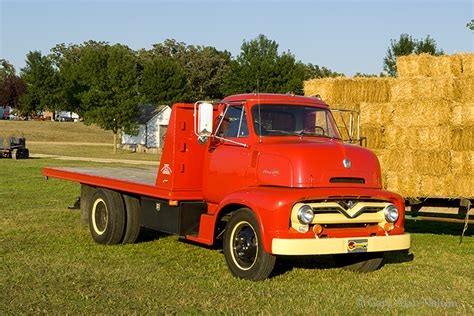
(272, 205)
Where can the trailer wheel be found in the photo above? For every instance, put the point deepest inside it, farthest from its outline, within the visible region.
(132, 226)
(106, 217)
(243, 248)
(359, 262)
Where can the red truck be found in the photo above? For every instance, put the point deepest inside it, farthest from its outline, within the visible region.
(268, 174)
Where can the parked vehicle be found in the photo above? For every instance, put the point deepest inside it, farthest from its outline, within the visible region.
(267, 174)
(15, 148)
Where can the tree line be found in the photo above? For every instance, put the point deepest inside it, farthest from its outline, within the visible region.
(105, 83)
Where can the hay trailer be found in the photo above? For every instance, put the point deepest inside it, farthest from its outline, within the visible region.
(15, 148)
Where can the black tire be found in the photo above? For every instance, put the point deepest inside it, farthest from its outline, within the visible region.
(243, 248)
(132, 226)
(359, 262)
(106, 217)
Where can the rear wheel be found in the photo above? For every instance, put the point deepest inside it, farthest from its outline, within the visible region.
(243, 249)
(132, 226)
(106, 217)
(359, 262)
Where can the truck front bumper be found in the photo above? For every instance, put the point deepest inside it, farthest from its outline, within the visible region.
(326, 246)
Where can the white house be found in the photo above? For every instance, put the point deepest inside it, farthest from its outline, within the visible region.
(152, 127)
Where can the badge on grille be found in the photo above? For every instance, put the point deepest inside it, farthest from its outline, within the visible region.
(347, 163)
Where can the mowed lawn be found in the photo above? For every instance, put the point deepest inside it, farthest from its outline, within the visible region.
(68, 139)
(49, 264)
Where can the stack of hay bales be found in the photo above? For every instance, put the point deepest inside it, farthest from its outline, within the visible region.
(420, 124)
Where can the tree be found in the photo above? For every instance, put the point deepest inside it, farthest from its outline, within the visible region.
(260, 68)
(406, 45)
(316, 72)
(42, 84)
(204, 66)
(105, 79)
(6, 69)
(470, 25)
(12, 88)
(163, 81)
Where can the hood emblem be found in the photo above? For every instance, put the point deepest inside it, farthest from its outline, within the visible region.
(347, 163)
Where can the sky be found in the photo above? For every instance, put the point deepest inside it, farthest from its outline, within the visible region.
(347, 36)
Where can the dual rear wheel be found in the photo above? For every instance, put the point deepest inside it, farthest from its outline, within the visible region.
(113, 217)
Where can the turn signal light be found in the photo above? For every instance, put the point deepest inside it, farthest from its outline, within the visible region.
(387, 227)
(317, 229)
(173, 203)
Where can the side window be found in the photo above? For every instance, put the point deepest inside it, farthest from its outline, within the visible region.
(234, 123)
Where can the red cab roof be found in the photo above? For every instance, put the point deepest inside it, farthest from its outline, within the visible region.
(273, 97)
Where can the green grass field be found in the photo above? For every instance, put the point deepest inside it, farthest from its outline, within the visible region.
(68, 139)
(49, 264)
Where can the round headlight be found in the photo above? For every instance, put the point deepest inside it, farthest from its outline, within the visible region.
(391, 213)
(305, 214)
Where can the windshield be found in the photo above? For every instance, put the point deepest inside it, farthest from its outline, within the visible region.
(291, 120)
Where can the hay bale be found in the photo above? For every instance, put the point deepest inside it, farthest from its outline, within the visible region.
(404, 184)
(376, 113)
(462, 138)
(462, 163)
(349, 90)
(434, 186)
(431, 162)
(426, 65)
(418, 137)
(422, 112)
(374, 134)
(464, 89)
(421, 88)
(463, 114)
(467, 62)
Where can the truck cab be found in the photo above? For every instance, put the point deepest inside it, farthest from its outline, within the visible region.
(270, 176)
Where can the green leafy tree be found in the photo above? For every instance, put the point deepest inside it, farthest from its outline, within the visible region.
(316, 72)
(406, 45)
(470, 25)
(6, 69)
(101, 82)
(204, 66)
(163, 81)
(261, 68)
(42, 84)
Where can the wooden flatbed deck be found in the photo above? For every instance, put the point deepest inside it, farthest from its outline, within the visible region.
(141, 181)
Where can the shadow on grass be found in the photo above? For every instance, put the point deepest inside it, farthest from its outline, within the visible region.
(438, 228)
(147, 235)
(288, 263)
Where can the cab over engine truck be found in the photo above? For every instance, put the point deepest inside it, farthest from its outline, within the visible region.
(266, 173)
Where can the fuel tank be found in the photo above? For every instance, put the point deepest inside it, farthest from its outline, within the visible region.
(322, 163)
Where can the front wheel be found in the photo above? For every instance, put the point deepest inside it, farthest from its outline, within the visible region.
(243, 249)
(359, 262)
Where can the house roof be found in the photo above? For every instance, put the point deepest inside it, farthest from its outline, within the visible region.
(148, 111)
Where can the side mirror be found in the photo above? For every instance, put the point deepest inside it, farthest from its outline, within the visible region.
(205, 119)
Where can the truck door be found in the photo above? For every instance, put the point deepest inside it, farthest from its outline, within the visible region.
(228, 156)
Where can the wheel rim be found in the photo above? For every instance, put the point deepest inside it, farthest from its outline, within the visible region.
(244, 245)
(99, 216)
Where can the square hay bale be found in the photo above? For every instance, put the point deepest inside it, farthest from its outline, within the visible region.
(430, 162)
(435, 186)
(467, 61)
(464, 89)
(430, 112)
(418, 137)
(395, 160)
(462, 163)
(426, 65)
(374, 134)
(422, 88)
(462, 138)
(407, 185)
(463, 114)
(349, 90)
(376, 113)
(464, 186)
